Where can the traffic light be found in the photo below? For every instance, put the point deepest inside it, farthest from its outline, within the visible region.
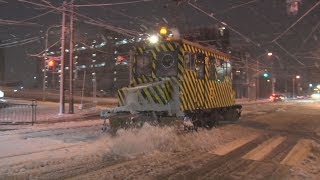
(120, 58)
(266, 75)
(51, 64)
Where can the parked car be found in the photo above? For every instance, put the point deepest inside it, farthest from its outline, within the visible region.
(277, 98)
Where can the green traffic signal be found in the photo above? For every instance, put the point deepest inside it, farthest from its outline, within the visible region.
(265, 75)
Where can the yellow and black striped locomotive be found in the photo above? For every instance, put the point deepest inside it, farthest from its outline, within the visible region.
(178, 79)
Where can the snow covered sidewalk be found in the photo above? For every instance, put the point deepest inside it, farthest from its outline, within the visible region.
(251, 101)
(48, 112)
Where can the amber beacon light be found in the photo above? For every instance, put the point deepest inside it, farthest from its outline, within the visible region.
(163, 31)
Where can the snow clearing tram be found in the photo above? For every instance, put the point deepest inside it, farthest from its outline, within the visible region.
(175, 80)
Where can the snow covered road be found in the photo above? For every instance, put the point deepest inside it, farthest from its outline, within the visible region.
(272, 140)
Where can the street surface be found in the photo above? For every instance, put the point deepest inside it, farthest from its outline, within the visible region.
(271, 141)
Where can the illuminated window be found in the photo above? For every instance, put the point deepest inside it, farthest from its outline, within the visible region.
(212, 71)
(189, 61)
(200, 66)
(223, 70)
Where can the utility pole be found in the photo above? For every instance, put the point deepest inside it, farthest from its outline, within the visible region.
(273, 79)
(286, 83)
(130, 66)
(63, 31)
(71, 60)
(293, 86)
(44, 73)
(247, 77)
(257, 83)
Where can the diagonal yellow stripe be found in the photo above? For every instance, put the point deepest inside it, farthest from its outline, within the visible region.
(158, 49)
(149, 98)
(170, 47)
(121, 98)
(188, 89)
(184, 98)
(188, 96)
(164, 48)
(155, 95)
(166, 91)
(162, 94)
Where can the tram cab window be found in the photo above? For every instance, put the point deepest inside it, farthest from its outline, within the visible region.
(200, 66)
(212, 70)
(143, 65)
(223, 70)
(189, 61)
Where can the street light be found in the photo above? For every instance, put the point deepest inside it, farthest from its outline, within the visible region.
(44, 64)
(294, 85)
(257, 81)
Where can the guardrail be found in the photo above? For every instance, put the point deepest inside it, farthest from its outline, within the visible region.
(15, 111)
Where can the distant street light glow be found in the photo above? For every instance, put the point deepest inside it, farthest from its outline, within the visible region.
(298, 77)
(270, 54)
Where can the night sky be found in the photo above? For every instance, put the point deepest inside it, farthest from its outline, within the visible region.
(260, 21)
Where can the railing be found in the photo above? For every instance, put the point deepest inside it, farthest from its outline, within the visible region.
(16, 112)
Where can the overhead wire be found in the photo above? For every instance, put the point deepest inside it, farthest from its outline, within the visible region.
(107, 26)
(18, 23)
(25, 21)
(43, 51)
(125, 15)
(37, 4)
(282, 48)
(236, 6)
(19, 43)
(290, 54)
(95, 22)
(228, 26)
(111, 4)
(296, 22)
(240, 34)
(314, 29)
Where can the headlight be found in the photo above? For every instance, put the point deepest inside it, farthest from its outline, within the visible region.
(315, 96)
(1, 94)
(154, 39)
